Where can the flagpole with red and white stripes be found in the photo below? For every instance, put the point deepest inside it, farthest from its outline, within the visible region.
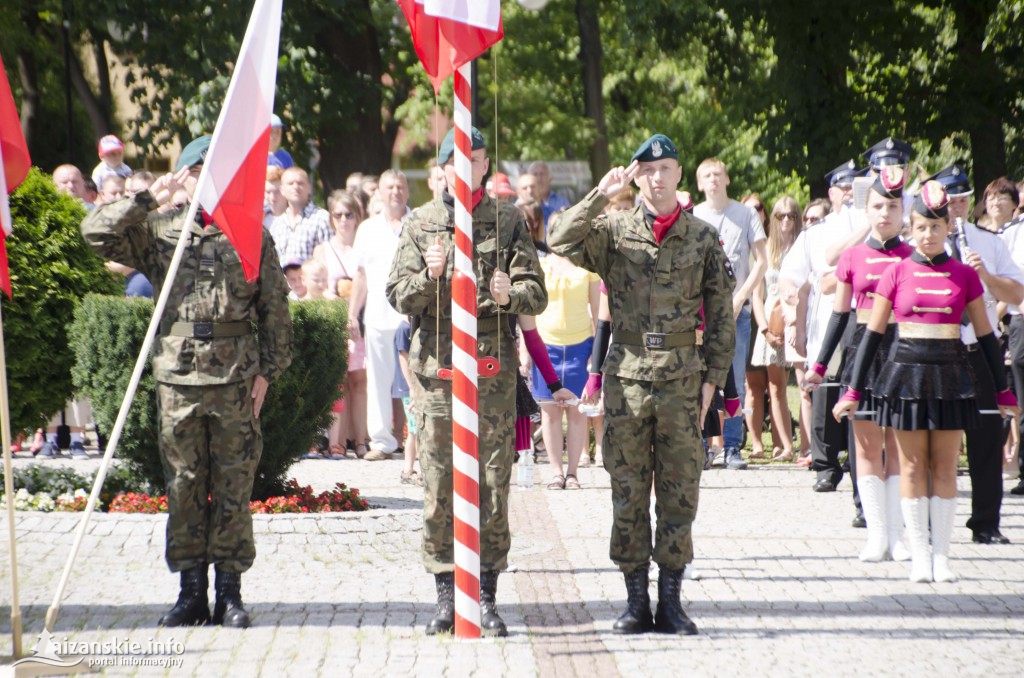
(465, 406)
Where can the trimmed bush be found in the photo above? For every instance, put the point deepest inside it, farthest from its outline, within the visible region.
(51, 270)
(108, 333)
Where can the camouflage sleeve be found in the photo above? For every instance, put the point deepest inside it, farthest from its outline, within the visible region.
(272, 314)
(720, 334)
(410, 289)
(528, 294)
(575, 235)
(117, 231)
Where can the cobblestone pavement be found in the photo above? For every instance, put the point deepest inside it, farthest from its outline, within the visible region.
(782, 591)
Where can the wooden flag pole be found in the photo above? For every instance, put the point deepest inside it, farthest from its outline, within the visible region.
(5, 425)
(5, 432)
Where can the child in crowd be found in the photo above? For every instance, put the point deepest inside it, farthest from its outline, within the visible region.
(111, 152)
(293, 274)
(314, 279)
(403, 339)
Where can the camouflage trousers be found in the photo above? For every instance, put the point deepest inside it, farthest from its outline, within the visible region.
(432, 400)
(650, 428)
(210, 446)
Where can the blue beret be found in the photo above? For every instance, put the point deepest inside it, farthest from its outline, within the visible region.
(447, 149)
(844, 174)
(889, 151)
(194, 153)
(954, 179)
(657, 147)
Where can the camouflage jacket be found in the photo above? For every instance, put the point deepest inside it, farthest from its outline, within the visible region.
(654, 288)
(209, 287)
(411, 291)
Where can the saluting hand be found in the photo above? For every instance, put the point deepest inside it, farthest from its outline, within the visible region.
(501, 287)
(435, 257)
(164, 188)
(618, 179)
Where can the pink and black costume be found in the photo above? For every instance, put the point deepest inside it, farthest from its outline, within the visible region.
(927, 384)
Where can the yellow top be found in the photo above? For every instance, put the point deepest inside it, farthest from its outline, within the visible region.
(566, 321)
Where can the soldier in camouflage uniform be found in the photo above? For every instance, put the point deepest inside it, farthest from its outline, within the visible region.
(659, 265)
(510, 282)
(212, 374)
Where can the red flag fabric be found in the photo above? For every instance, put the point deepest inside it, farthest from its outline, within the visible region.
(14, 165)
(235, 171)
(446, 40)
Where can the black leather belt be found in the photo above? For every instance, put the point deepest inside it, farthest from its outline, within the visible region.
(211, 330)
(655, 340)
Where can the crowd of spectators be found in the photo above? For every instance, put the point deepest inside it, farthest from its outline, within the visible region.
(344, 253)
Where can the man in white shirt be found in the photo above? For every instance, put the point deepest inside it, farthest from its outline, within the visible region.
(742, 235)
(807, 263)
(375, 245)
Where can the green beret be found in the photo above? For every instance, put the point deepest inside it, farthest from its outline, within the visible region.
(447, 149)
(657, 147)
(194, 153)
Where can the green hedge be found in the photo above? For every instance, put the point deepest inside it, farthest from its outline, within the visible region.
(108, 333)
(51, 270)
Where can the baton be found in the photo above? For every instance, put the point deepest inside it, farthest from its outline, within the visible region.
(866, 413)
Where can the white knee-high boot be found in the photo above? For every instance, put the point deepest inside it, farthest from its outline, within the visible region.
(915, 515)
(872, 499)
(894, 512)
(943, 512)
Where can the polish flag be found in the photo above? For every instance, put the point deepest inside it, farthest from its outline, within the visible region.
(14, 166)
(235, 171)
(450, 33)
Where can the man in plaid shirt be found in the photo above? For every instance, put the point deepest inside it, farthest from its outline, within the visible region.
(303, 225)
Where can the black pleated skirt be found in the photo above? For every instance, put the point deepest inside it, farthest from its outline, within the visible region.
(867, 400)
(712, 423)
(927, 385)
(526, 406)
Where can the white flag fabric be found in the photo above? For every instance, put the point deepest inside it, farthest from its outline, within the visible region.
(231, 187)
(484, 14)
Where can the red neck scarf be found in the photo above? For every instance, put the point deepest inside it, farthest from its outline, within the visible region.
(478, 195)
(662, 224)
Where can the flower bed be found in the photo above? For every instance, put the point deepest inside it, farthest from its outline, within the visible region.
(53, 492)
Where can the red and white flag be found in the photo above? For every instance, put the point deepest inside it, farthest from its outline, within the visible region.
(14, 166)
(235, 171)
(450, 33)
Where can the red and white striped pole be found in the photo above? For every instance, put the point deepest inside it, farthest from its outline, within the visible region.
(465, 419)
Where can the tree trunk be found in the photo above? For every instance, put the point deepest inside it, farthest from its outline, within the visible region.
(98, 117)
(981, 103)
(591, 57)
(30, 100)
(359, 144)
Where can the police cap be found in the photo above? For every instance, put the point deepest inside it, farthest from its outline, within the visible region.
(844, 174)
(889, 151)
(954, 179)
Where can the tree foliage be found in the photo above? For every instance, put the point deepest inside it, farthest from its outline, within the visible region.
(108, 333)
(51, 270)
(781, 90)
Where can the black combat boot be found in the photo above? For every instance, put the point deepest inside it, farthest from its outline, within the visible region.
(193, 606)
(637, 617)
(490, 623)
(670, 617)
(228, 609)
(444, 620)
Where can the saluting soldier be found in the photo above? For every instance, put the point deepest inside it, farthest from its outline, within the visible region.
(510, 282)
(212, 373)
(659, 265)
